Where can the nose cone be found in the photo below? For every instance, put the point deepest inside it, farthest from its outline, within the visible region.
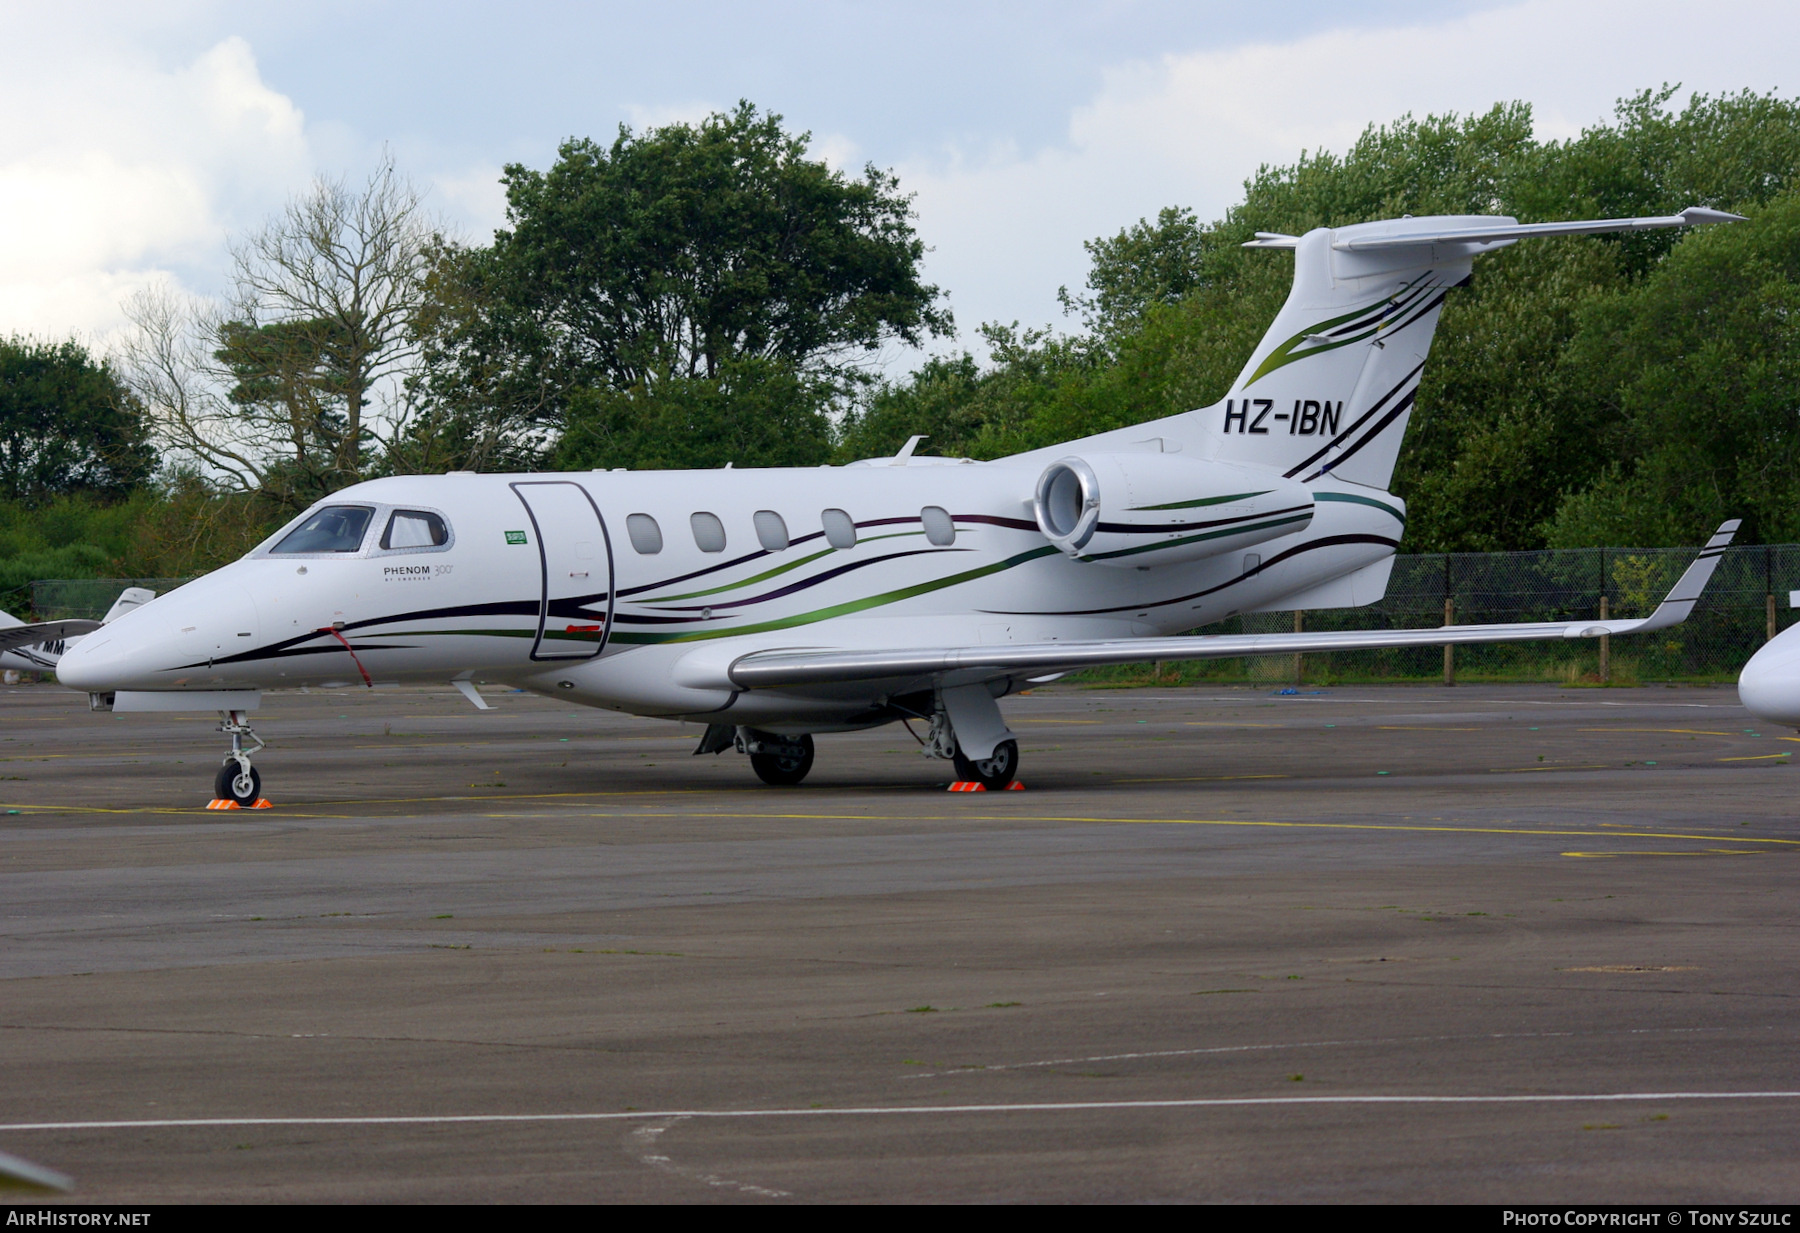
(113, 656)
(1769, 685)
(189, 638)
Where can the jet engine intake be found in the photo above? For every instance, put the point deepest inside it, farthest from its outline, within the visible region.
(1160, 509)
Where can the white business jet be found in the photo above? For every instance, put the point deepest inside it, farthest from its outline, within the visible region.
(38, 647)
(771, 605)
(1769, 685)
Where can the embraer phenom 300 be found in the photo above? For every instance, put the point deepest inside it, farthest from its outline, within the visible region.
(771, 605)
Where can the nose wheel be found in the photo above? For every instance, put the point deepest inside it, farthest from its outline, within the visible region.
(238, 785)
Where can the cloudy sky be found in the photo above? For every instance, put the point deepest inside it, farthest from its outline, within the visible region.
(138, 137)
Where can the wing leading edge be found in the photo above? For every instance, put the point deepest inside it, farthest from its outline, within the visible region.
(778, 669)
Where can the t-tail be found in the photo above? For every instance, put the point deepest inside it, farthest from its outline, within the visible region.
(1330, 389)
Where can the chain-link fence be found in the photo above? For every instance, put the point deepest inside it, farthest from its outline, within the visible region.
(1744, 605)
(66, 599)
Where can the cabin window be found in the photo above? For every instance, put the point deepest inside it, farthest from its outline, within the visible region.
(771, 531)
(336, 528)
(646, 536)
(840, 528)
(414, 528)
(709, 532)
(939, 528)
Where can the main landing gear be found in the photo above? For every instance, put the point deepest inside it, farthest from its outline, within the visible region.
(968, 710)
(993, 772)
(781, 761)
(237, 781)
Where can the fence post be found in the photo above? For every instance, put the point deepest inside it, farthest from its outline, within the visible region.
(1297, 629)
(1605, 649)
(1449, 648)
(1769, 589)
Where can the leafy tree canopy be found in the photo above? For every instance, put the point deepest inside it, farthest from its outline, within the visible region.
(67, 425)
(1550, 413)
(718, 253)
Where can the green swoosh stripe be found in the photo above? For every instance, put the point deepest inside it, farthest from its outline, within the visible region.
(1194, 539)
(1236, 496)
(732, 586)
(843, 609)
(767, 574)
(1348, 499)
(1284, 354)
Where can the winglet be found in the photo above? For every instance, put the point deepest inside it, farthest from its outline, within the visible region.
(1686, 592)
(1694, 216)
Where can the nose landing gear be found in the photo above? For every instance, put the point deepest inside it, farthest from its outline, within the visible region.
(238, 785)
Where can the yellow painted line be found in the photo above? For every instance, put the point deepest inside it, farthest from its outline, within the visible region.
(1756, 757)
(1514, 770)
(1682, 731)
(1399, 728)
(1304, 826)
(1059, 721)
(1705, 852)
(1222, 723)
(1196, 778)
(524, 796)
(247, 815)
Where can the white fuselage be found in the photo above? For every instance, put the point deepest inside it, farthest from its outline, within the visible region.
(540, 585)
(1769, 685)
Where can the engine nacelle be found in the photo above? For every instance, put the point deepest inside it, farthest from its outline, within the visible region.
(1161, 509)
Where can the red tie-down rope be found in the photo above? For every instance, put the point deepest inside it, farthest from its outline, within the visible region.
(334, 632)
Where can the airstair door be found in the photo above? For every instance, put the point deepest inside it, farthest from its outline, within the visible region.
(575, 612)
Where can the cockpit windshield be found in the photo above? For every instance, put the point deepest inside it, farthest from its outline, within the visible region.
(336, 528)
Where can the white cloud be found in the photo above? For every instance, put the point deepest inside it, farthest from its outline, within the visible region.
(116, 173)
(1189, 129)
(476, 200)
(640, 116)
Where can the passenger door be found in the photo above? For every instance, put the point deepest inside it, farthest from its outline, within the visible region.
(575, 614)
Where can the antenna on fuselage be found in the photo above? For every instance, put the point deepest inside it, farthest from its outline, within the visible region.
(912, 443)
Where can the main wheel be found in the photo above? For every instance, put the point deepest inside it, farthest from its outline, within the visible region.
(784, 770)
(232, 784)
(992, 772)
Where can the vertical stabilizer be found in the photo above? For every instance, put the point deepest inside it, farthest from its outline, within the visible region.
(1329, 390)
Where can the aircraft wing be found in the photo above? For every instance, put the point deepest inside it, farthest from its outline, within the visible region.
(779, 669)
(13, 637)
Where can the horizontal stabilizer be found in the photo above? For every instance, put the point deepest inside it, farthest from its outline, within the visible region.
(15, 636)
(1415, 233)
(776, 669)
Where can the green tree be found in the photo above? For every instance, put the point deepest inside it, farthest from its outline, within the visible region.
(1694, 376)
(67, 425)
(717, 252)
(1145, 265)
(294, 389)
(1545, 414)
(750, 409)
